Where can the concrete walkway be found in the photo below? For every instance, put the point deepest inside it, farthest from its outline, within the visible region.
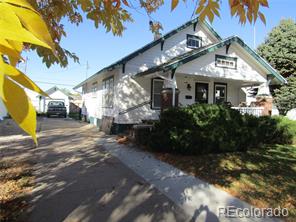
(78, 181)
(197, 198)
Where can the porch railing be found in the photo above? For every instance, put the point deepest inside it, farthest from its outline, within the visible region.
(255, 111)
(134, 107)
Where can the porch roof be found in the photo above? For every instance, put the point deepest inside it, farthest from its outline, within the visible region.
(196, 53)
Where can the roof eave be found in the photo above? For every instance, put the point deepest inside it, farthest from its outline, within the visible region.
(262, 61)
(212, 48)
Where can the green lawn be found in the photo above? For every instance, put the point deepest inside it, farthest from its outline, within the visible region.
(263, 177)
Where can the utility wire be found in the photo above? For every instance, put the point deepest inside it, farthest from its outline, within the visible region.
(54, 83)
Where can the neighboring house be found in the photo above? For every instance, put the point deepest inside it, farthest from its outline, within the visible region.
(40, 102)
(192, 60)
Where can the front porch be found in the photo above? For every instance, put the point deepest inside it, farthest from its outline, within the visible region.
(201, 89)
(191, 89)
(215, 74)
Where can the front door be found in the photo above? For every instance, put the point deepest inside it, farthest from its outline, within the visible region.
(201, 92)
(220, 93)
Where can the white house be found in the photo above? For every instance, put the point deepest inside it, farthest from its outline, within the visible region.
(191, 59)
(40, 102)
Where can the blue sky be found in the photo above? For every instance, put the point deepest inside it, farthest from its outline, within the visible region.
(100, 49)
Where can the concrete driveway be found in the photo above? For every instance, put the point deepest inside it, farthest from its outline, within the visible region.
(76, 180)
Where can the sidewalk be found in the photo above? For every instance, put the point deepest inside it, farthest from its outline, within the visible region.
(197, 198)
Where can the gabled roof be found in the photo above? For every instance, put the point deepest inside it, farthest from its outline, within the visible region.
(52, 90)
(150, 45)
(196, 53)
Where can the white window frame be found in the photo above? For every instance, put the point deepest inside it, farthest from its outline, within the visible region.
(226, 62)
(153, 93)
(108, 92)
(195, 39)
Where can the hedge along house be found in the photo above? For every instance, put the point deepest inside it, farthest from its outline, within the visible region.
(191, 64)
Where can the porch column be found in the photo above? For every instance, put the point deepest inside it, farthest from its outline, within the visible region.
(264, 98)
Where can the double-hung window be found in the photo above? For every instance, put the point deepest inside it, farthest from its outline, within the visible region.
(226, 62)
(193, 41)
(108, 92)
(157, 85)
(94, 89)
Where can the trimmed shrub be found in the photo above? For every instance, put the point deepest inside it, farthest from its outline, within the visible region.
(204, 128)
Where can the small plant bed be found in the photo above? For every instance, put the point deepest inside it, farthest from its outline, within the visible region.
(15, 183)
(261, 177)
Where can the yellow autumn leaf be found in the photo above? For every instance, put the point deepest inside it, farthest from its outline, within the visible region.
(20, 23)
(8, 15)
(8, 49)
(199, 9)
(22, 3)
(18, 47)
(250, 16)
(210, 15)
(33, 23)
(11, 32)
(19, 77)
(233, 10)
(174, 4)
(14, 97)
(264, 3)
(262, 17)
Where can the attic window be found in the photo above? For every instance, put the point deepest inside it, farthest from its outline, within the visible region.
(193, 41)
(226, 62)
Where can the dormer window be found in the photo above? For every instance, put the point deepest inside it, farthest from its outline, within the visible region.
(193, 41)
(226, 62)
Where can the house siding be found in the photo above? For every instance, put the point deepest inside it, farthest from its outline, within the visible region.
(133, 92)
(93, 101)
(130, 92)
(173, 46)
(205, 66)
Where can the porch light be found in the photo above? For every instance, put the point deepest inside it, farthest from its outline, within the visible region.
(188, 86)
